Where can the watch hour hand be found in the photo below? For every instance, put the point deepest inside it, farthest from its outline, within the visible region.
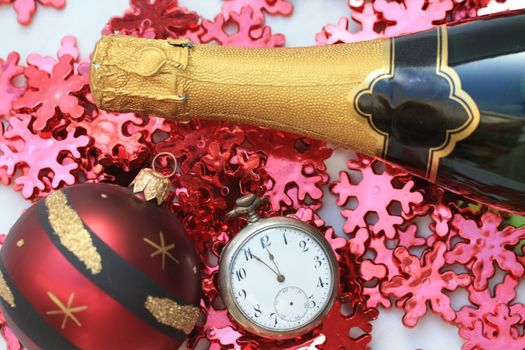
(280, 278)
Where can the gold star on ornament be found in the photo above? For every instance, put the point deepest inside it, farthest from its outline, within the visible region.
(67, 310)
(162, 249)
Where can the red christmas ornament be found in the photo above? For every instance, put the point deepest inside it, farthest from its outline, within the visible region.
(95, 266)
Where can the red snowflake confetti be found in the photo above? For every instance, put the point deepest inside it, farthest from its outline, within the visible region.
(111, 137)
(423, 281)
(382, 267)
(340, 33)
(467, 8)
(507, 336)
(164, 18)
(9, 70)
(39, 154)
(412, 16)
(220, 161)
(336, 327)
(27, 8)
(48, 92)
(46, 63)
(273, 7)
(251, 31)
(375, 193)
(295, 167)
(485, 303)
(486, 245)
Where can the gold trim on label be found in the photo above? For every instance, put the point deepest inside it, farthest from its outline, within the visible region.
(367, 87)
(458, 95)
(5, 292)
(170, 313)
(69, 228)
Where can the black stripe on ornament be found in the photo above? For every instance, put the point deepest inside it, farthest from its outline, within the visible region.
(123, 282)
(34, 326)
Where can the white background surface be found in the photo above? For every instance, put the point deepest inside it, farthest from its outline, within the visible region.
(85, 18)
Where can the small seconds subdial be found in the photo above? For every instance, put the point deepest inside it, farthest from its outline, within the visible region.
(281, 278)
(291, 304)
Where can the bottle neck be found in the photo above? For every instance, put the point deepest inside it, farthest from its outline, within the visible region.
(292, 89)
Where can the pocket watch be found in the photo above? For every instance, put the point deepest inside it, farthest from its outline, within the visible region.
(278, 277)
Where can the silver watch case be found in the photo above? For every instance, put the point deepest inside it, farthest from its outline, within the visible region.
(232, 249)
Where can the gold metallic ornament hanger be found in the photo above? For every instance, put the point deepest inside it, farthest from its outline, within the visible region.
(152, 182)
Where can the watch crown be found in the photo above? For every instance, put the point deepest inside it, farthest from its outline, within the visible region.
(248, 206)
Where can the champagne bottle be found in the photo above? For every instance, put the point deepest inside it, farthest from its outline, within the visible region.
(447, 104)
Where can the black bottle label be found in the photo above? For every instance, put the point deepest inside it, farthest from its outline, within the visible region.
(416, 103)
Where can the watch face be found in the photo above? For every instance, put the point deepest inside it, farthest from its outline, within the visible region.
(281, 279)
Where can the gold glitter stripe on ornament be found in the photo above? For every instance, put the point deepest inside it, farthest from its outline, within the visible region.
(5, 292)
(168, 312)
(70, 230)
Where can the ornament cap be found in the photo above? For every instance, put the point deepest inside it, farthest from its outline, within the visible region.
(152, 183)
(248, 206)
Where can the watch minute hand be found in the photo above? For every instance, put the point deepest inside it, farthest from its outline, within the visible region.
(265, 264)
(272, 259)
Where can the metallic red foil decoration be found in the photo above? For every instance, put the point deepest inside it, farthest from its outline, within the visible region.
(402, 239)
